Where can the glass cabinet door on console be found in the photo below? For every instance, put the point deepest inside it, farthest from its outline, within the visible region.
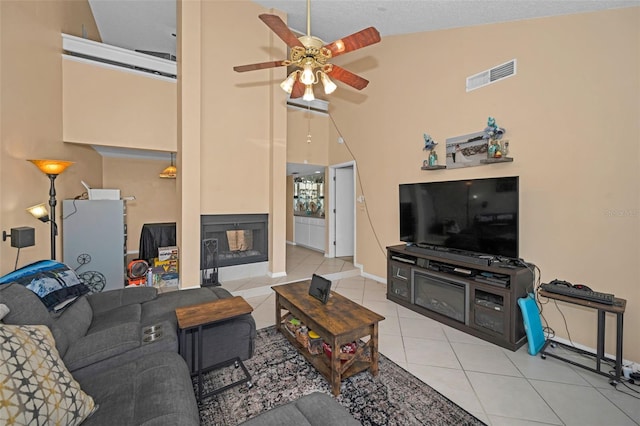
(490, 309)
(400, 283)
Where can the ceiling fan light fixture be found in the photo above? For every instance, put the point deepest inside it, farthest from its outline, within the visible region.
(307, 76)
(329, 86)
(308, 93)
(287, 84)
(311, 57)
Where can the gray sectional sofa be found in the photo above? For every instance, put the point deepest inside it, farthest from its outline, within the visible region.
(121, 346)
(315, 409)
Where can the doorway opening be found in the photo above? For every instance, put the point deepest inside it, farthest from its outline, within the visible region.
(342, 214)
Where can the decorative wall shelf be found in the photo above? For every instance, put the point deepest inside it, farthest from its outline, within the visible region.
(497, 160)
(433, 167)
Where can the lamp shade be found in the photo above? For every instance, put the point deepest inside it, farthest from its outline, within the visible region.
(287, 84)
(170, 172)
(39, 212)
(308, 93)
(51, 167)
(329, 86)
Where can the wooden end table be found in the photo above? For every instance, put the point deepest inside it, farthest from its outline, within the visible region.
(196, 317)
(339, 322)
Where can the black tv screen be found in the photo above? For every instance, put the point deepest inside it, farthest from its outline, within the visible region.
(474, 215)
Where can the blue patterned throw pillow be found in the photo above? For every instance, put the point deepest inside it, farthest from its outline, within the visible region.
(55, 283)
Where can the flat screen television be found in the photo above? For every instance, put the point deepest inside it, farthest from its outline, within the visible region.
(471, 215)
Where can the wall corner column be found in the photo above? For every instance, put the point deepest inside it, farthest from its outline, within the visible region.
(189, 58)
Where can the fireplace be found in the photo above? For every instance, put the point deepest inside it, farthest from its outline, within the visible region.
(442, 295)
(241, 238)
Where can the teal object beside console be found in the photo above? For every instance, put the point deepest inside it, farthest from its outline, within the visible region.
(532, 323)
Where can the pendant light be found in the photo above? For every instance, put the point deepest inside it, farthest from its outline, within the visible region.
(170, 172)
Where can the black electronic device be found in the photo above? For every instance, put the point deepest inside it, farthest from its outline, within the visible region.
(21, 237)
(590, 295)
(561, 283)
(582, 287)
(472, 216)
(320, 288)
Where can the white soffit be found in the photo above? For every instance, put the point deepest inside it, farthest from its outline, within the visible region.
(140, 154)
(317, 105)
(82, 49)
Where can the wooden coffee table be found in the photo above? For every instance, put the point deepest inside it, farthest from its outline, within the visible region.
(339, 322)
(195, 317)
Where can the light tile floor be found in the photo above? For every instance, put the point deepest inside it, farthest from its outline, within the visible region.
(498, 386)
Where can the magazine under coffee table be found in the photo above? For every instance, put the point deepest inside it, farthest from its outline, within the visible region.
(338, 322)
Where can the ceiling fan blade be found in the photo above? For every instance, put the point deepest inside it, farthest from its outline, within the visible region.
(278, 26)
(348, 77)
(258, 66)
(298, 90)
(355, 41)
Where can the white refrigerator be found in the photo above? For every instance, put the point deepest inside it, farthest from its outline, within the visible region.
(94, 235)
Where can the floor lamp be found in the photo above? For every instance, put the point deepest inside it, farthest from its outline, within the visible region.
(52, 168)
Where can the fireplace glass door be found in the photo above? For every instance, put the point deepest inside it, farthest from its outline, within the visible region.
(444, 296)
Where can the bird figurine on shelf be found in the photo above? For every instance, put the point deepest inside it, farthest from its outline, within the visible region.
(492, 131)
(429, 143)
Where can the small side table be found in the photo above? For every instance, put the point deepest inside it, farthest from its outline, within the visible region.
(617, 309)
(196, 317)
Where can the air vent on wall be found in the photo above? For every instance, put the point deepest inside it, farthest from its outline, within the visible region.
(492, 75)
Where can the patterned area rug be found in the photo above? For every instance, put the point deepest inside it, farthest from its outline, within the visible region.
(280, 375)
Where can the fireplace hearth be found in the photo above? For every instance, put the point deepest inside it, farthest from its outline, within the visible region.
(241, 238)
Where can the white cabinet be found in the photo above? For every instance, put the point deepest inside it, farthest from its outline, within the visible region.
(309, 232)
(93, 240)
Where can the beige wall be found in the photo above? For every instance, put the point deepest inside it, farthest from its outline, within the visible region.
(31, 116)
(243, 139)
(290, 218)
(301, 123)
(573, 127)
(573, 130)
(103, 106)
(156, 199)
(231, 127)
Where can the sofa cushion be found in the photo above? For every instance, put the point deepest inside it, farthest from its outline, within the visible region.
(55, 283)
(115, 317)
(314, 409)
(72, 324)
(103, 345)
(36, 386)
(151, 391)
(164, 306)
(110, 348)
(108, 300)
(24, 305)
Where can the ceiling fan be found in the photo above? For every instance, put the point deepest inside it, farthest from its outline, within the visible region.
(311, 56)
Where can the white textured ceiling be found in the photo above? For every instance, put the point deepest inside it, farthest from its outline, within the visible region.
(149, 24)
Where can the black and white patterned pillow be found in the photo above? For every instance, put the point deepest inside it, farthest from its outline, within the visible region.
(37, 388)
